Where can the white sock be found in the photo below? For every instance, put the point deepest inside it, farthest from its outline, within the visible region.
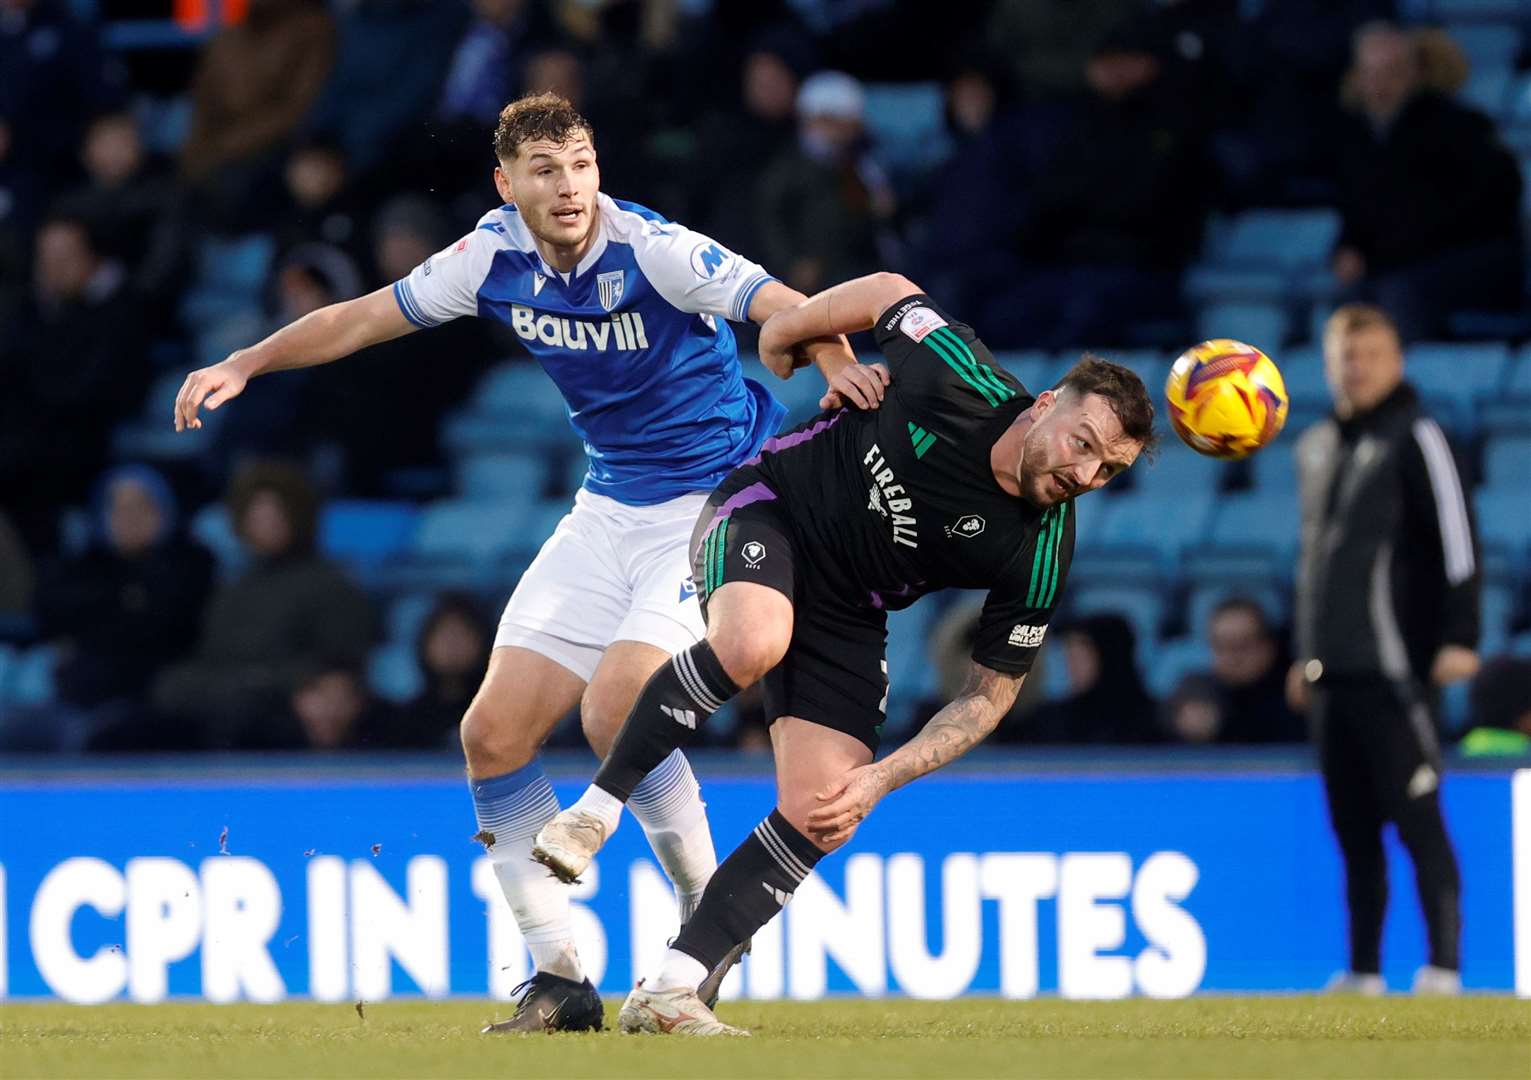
(668, 804)
(511, 809)
(677, 972)
(603, 804)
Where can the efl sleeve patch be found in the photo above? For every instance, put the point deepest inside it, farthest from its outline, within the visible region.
(919, 321)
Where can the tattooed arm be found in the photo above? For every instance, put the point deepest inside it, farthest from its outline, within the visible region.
(949, 734)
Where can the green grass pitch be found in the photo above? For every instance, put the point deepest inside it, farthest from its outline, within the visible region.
(1201, 1037)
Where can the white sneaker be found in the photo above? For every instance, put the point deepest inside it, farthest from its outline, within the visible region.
(1348, 982)
(670, 1012)
(568, 843)
(1432, 981)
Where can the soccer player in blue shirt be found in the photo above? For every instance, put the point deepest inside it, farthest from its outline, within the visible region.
(628, 314)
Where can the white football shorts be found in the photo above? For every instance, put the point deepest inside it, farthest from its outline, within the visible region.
(610, 572)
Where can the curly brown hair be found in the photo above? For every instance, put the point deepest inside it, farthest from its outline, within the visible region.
(536, 117)
(1123, 391)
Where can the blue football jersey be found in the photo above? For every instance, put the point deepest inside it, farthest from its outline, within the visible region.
(636, 337)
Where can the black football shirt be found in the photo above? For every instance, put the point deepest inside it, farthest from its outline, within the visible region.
(900, 501)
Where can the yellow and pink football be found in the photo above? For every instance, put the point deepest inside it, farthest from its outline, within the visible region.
(1226, 399)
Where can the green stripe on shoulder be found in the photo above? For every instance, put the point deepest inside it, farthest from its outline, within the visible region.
(955, 362)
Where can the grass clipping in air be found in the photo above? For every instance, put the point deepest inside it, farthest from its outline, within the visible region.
(1200, 1037)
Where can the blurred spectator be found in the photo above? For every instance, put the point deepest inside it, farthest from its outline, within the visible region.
(130, 604)
(330, 708)
(1501, 709)
(1107, 702)
(950, 651)
(1116, 212)
(988, 167)
(452, 650)
(392, 57)
(71, 365)
(1048, 43)
(825, 207)
(319, 203)
(1387, 613)
(1430, 196)
(53, 77)
(256, 81)
(737, 141)
(1242, 699)
(274, 417)
(129, 202)
(18, 577)
(290, 614)
(362, 406)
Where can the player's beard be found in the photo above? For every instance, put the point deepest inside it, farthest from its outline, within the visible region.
(1032, 473)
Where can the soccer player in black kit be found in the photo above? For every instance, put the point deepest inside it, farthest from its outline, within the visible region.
(961, 479)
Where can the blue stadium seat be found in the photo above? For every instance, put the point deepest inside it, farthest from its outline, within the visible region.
(393, 673)
(1496, 612)
(907, 122)
(1462, 374)
(1302, 369)
(483, 531)
(800, 394)
(1172, 661)
(502, 475)
(211, 527)
(1278, 240)
(31, 681)
(1177, 469)
(367, 533)
(1037, 370)
(406, 615)
(1164, 523)
(1506, 459)
(1097, 562)
(1502, 518)
(1517, 376)
(152, 436)
(1275, 467)
(911, 675)
(1204, 282)
(1261, 325)
(1256, 520)
(1142, 606)
(1489, 46)
(1460, 11)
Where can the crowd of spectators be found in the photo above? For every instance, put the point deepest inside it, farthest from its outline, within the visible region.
(1083, 147)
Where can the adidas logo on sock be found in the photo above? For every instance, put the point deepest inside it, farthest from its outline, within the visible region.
(781, 897)
(684, 717)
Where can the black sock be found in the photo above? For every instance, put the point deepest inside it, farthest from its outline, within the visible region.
(747, 891)
(674, 703)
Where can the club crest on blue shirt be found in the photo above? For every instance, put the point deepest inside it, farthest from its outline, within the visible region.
(609, 288)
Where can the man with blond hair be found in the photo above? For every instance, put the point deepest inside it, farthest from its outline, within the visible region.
(1387, 613)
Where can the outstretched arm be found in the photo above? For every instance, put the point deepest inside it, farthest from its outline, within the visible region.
(847, 308)
(861, 385)
(949, 734)
(317, 338)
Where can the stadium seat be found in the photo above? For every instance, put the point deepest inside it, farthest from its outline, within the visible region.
(1274, 468)
(393, 673)
(1502, 518)
(501, 475)
(1459, 373)
(1257, 519)
(1036, 370)
(483, 531)
(1177, 469)
(800, 394)
(1496, 614)
(367, 533)
(1489, 46)
(406, 615)
(911, 675)
(1210, 283)
(1261, 325)
(1142, 606)
(211, 527)
(31, 680)
(1459, 11)
(151, 436)
(1517, 376)
(1098, 562)
(1171, 661)
(1283, 241)
(1165, 523)
(1506, 459)
(907, 123)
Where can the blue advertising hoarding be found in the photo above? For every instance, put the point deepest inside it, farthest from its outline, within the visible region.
(979, 882)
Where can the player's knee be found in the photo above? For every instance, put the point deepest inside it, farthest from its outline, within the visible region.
(601, 714)
(748, 652)
(493, 742)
